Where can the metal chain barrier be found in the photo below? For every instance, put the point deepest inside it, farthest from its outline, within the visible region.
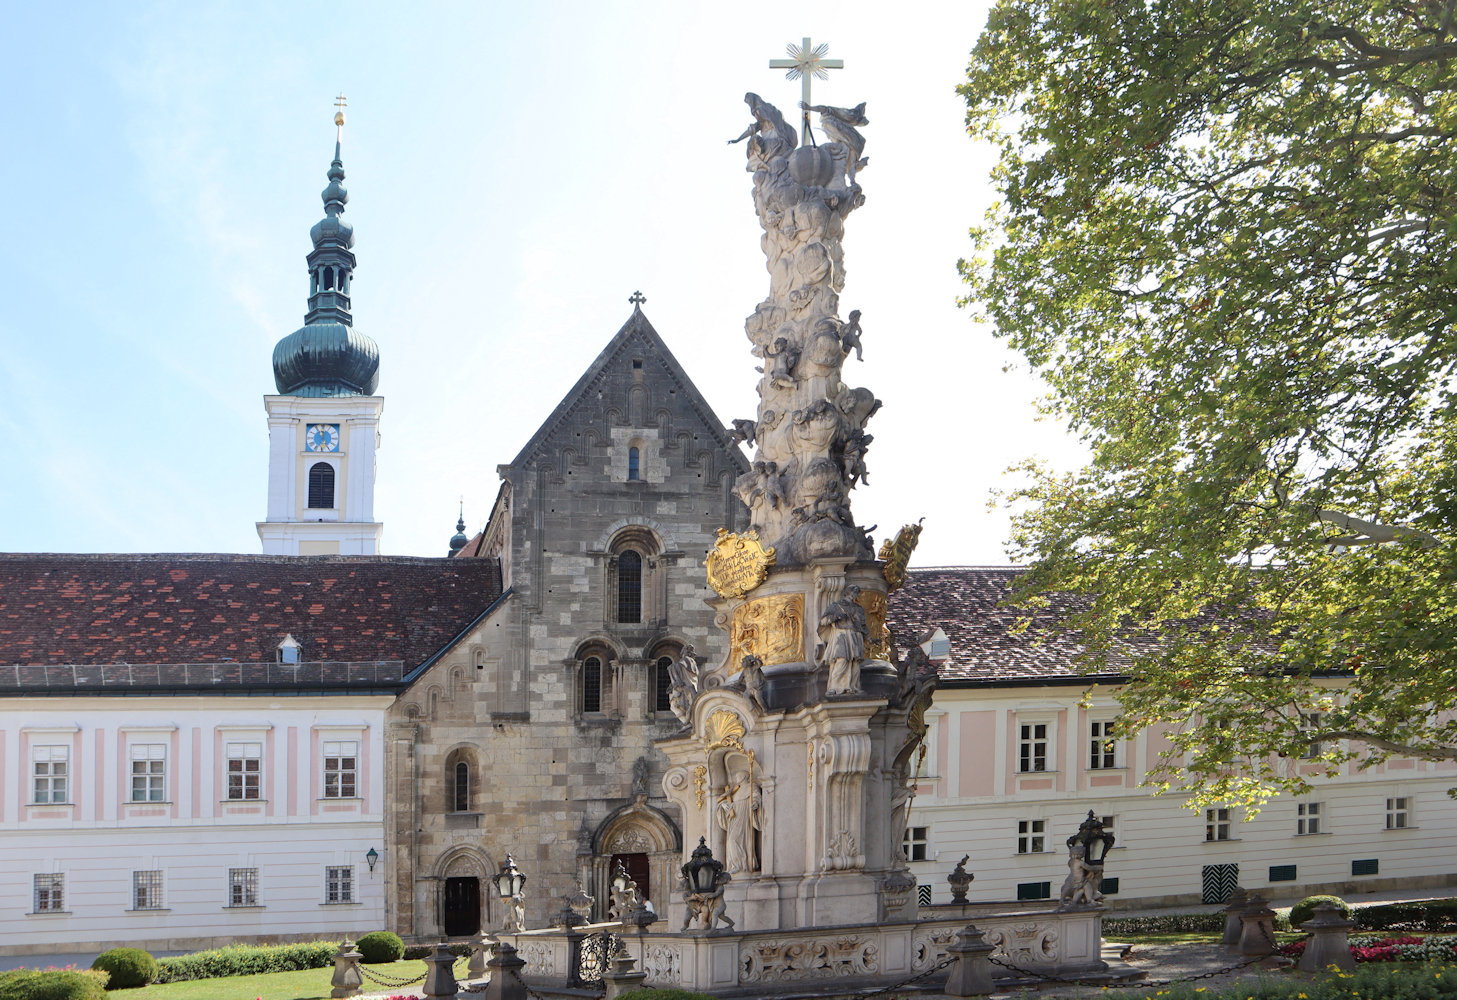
(391, 981)
(946, 962)
(527, 986)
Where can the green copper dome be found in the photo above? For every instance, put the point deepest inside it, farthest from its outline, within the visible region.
(327, 356)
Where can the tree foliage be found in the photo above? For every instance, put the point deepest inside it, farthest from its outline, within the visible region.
(1225, 239)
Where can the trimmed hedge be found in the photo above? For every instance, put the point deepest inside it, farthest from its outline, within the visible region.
(1165, 923)
(246, 960)
(1431, 915)
(646, 994)
(52, 984)
(128, 967)
(380, 947)
(1305, 909)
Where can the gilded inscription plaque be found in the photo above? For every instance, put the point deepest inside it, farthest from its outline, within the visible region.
(737, 563)
(877, 644)
(771, 628)
(896, 554)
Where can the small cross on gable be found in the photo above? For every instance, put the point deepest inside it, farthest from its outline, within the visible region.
(637, 298)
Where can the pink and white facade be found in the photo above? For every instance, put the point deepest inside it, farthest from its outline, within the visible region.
(176, 822)
(1016, 757)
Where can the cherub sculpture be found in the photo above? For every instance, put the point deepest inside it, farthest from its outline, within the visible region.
(753, 680)
(1080, 888)
(743, 430)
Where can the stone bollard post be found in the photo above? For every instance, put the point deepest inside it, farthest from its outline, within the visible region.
(347, 981)
(480, 953)
(1257, 937)
(620, 976)
(440, 980)
(971, 976)
(1233, 926)
(1328, 944)
(505, 968)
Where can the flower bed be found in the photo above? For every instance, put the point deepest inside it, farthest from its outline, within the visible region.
(1373, 948)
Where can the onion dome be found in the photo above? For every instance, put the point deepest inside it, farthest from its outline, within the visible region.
(327, 356)
(459, 540)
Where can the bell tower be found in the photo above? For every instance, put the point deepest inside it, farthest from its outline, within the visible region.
(323, 426)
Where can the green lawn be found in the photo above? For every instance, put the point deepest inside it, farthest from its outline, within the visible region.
(308, 984)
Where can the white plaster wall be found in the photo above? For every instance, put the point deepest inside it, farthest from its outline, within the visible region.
(97, 841)
(1160, 851)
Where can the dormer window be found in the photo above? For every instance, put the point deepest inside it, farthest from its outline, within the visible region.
(289, 650)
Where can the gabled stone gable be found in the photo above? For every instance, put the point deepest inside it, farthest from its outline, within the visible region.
(557, 785)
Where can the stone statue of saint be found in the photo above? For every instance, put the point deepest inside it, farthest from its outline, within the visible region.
(734, 814)
(840, 125)
(683, 685)
(843, 629)
(902, 794)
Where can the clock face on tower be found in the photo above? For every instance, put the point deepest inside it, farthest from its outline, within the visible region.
(321, 437)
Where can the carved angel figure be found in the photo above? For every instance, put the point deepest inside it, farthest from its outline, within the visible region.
(769, 126)
(743, 430)
(840, 124)
(683, 681)
(753, 680)
(850, 335)
(706, 907)
(843, 629)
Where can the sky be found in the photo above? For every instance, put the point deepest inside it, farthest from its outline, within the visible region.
(515, 171)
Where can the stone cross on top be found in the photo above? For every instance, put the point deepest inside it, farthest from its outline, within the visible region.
(637, 298)
(804, 62)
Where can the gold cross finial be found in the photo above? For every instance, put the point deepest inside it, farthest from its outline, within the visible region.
(340, 102)
(806, 61)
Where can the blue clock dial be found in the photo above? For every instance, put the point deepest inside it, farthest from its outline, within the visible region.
(321, 437)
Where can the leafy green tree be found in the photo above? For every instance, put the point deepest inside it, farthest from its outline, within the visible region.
(1225, 239)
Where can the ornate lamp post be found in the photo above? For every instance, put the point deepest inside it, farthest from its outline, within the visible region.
(509, 884)
(1087, 849)
(703, 882)
(372, 856)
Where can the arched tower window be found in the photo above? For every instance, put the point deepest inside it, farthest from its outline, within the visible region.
(592, 684)
(321, 485)
(632, 465)
(629, 586)
(462, 786)
(328, 278)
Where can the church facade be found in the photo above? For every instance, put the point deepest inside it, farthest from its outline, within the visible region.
(534, 737)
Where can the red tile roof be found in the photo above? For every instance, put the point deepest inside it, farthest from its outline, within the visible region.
(965, 602)
(354, 611)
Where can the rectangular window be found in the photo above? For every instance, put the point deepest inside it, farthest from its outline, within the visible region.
(245, 771)
(916, 843)
(1216, 824)
(1108, 825)
(1109, 886)
(1034, 890)
(242, 886)
(1282, 873)
(339, 884)
(1366, 866)
(147, 890)
(149, 772)
(50, 771)
(1102, 747)
(1398, 813)
(341, 766)
(50, 893)
(1309, 723)
(1307, 818)
(663, 702)
(1032, 747)
(1031, 836)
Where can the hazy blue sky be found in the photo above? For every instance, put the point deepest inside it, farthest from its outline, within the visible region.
(515, 171)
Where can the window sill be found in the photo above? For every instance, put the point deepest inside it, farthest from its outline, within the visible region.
(149, 909)
(243, 802)
(249, 906)
(49, 913)
(1315, 833)
(1399, 829)
(147, 802)
(49, 805)
(1101, 770)
(342, 902)
(341, 798)
(1030, 774)
(1226, 840)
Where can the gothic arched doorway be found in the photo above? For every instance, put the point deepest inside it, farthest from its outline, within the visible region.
(649, 845)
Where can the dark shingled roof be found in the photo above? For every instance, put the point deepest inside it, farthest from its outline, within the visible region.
(351, 614)
(965, 602)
